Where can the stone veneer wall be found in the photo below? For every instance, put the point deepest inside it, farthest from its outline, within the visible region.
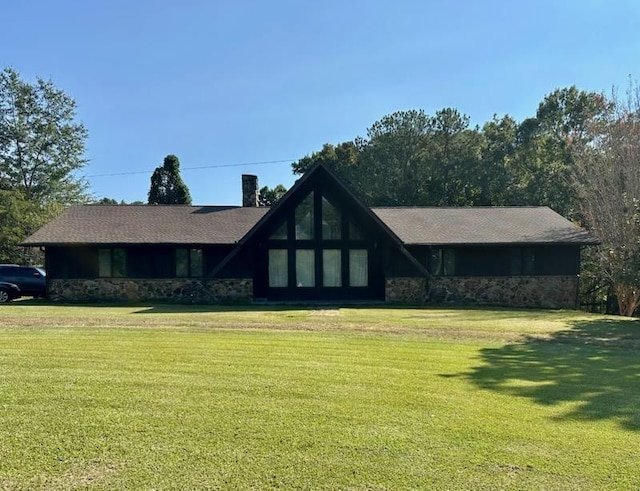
(179, 290)
(406, 290)
(554, 292)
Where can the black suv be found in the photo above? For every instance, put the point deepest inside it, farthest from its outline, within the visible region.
(31, 280)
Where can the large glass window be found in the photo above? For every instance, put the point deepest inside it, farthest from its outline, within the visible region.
(305, 268)
(358, 267)
(278, 269)
(323, 245)
(280, 233)
(331, 221)
(332, 267)
(304, 219)
(354, 232)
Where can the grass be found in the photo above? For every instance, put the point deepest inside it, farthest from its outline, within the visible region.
(187, 397)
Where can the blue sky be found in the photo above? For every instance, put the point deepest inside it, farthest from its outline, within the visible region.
(220, 83)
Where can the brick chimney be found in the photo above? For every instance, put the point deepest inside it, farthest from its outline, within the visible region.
(250, 191)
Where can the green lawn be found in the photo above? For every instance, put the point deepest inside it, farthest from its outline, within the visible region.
(165, 397)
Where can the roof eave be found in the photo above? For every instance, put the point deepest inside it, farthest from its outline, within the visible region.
(506, 244)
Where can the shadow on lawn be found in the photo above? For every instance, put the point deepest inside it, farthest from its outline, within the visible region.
(595, 364)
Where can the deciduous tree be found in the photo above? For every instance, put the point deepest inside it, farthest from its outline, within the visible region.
(607, 180)
(41, 144)
(41, 149)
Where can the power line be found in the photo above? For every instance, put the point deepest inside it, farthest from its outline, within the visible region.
(195, 168)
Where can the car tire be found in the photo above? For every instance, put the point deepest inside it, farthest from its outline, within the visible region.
(4, 296)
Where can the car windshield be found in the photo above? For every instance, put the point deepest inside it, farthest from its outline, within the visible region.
(42, 271)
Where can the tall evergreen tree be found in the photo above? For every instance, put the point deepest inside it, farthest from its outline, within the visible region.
(167, 187)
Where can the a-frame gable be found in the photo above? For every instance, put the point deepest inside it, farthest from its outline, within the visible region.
(319, 175)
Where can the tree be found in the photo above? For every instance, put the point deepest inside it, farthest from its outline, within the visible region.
(269, 196)
(111, 201)
(167, 187)
(497, 181)
(607, 181)
(337, 157)
(41, 146)
(391, 166)
(107, 201)
(544, 158)
(455, 162)
(409, 158)
(41, 149)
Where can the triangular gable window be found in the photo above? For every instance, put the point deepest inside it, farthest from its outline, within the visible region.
(355, 232)
(281, 232)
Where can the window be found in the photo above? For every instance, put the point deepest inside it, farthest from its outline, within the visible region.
(305, 268)
(182, 263)
(449, 262)
(322, 244)
(528, 261)
(354, 232)
(516, 262)
(523, 261)
(331, 221)
(304, 219)
(442, 262)
(332, 267)
(278, 270)
(112, 263)
(358, 267)
(280, 233)
(435, 262)
(189, 263)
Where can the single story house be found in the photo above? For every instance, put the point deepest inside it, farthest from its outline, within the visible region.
(318, 243)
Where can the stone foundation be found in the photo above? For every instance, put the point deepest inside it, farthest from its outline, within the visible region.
(552, 292)
(406, 290)
(556, 292)
(182, 290)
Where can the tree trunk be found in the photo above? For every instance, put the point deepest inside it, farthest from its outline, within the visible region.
(628, 299)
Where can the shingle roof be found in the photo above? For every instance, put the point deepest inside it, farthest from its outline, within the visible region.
(482, 225)
(201, 225)
(148, 224)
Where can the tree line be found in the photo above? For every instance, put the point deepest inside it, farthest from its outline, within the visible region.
(578, 154)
